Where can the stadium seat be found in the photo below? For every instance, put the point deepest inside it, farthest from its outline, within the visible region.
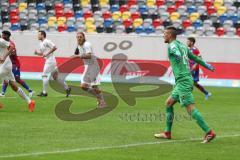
(103, 2)
(137, 22)
(208, 3)
(59, 13)
(149, 30)
(71, 28)
(184, 16)
(40, 6)
(134, 8)
(198, 23)
(58, 6)
(217, 24)
(179, 3)
(207, 23)
(238, 32)
(189, 2)
(62, 28)
(99, 22)
(68, 13)
(162, 9)
(171, 9)
(182, 9)
(165, 16)
(223, 17)
(129, 29)
(186, 23)
(211, 10)
(169, 3)
(160, 3)
(108, 22)
(89, 21)
(234, 18)
(114, 8)
(87, 14)
(159, 30)
(123, 8)
(145, 15)
(147, 22)
(14, 12)
(237, 24)
(143, 8)
(126, 15)
(15, 27)
(167, 23)
(227, 24)
(150, 3)
(105, 8)
(78, 14)
(200, 31)
(120, 29)
(35, 26)
(220, 31)
(107, 15)
(156, 23)
(131, 2)
(191, 9)
(194, 16)
(14, 19)
(174, 16)
(127, 23)
(198, 3)
(85, 2)
(139, 29)
(135, 15)
(116, 15)
(210, 31)
(218, 3)
(189, 30)
(177, 23)
(221, 10)
(202, 9)
(6, 26)
(91, 29)
(42, 20)
(231, 32)
(22, 6)
(152, 9)
(100, 29)
(204, 16)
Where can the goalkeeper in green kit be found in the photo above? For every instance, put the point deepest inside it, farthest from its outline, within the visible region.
(179, 56)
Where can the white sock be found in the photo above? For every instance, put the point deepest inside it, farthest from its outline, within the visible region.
(23, 95)
(45, 84)
(62, 82)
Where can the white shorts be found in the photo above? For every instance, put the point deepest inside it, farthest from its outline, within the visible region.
(91, 75)
(49, 68)
(6, 73)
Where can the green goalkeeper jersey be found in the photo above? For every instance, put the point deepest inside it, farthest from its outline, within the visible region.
(179, 55)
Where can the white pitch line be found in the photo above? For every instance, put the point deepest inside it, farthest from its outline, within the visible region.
(107, 147)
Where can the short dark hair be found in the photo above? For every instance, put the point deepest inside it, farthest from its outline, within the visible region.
(43, 33)
(192, 39)
(8, 33)
(173, 30)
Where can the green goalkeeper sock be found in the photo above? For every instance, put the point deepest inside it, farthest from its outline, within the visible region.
(200, 121)
(169, 118)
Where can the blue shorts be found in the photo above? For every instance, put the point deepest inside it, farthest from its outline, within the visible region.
(195, 75)
(16, 72)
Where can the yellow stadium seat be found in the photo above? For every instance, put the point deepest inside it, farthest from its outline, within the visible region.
(218, 3)
(221, 10)
(89, 21)
(150, 3)
(116, 15)
(174, 16)
(52, 21)
(91, 29)
(85, 2)
(194, 16)
(126, 15)
(103, 2)
(137, 22)
(61, 21)
(22, 6)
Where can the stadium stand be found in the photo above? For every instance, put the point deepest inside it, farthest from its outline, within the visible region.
(200, 17)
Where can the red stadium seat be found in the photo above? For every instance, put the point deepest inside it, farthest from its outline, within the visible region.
(107, 15)
(220, 31)
(123, 8)
(62, 28)
(127, 23)
(157, 22)
(211, 10)
(186, 23)
(14, 12)
(160, 2)
(59, 6)
(14, 19)
(238, 32)
(87, 14)
(135, 15)
(132, 2)
(11, 1)
(208, 3)
(171, 9)
(69, 13)
(179, 3)
(59, 13)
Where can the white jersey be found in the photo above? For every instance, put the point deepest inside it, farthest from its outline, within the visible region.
(3, 46)
(45, 46)
(91, 74)
(85, 49)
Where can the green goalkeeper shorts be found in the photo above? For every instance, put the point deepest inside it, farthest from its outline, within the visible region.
(182, 92)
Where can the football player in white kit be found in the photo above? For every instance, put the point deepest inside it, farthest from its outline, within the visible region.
(6, 72)
(47, 49)
(91, 75)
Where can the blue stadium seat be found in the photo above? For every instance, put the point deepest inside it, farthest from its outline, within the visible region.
(143, 8)
(139, 30)
(234, 18)
(78, 14)
(149, 30)
(114, 8)
(191, 9)
(42, 20)
(223, 17)
(108, 23)
(71, 28)
(198, 23)
(15, 27)
(40, 6)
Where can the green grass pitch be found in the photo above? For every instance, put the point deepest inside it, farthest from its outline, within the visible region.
(119, 134)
